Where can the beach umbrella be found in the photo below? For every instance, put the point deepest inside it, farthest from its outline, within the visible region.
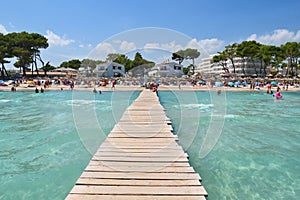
(1, 81)
(245, 83)
(273, 83)
(218, 84)
(237, 83)
(231, 84)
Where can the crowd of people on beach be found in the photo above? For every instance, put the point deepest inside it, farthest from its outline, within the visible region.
(41, 85)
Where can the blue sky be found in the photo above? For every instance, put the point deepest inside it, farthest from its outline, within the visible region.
(76, 28)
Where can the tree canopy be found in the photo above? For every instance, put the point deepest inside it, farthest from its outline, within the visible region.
(286, 56)
(187, 54)
(74, 64)
(24, 46)
(128, 63)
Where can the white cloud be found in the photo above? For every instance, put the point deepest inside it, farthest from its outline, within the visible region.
(277, 37)
(206, 46)
(101, 51)
(81, 46)
(3, 29)
(127, 46)
(56, 40)
(171, 46)
(105, 47)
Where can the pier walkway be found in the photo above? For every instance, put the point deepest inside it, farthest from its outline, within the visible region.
(140, 159)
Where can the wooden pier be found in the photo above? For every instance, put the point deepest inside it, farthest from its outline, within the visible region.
(140, 159)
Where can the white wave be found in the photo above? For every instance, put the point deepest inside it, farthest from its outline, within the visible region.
(5, 100)
(201, 107)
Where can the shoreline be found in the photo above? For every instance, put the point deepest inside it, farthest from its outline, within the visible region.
(139, 88)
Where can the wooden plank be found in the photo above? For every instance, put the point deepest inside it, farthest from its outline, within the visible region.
(97, 181)
(105, 168)
(139, 135)
(139, 164)
(132, 197)
(142, 154)
(139, 150)
(141, 159)
(135, 190)
(139, 145)
(137, 175)
(141, 140)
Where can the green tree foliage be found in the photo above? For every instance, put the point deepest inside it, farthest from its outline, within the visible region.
(121, 59)
(291, 52)
(5, 53)
(286, 55)
(230, 53)
(221, 59)
(91, 63)
(74, 64)
(178, 56)
(47, 67)
(192, 54)
(187, 54)
(25, 46)
(248, 51)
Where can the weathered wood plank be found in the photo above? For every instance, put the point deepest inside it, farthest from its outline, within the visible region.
(141, 159)
(132, 197)
(139, 164)
(138, 154)
(140, 175)
(97, 181)
(160, 190)
(105, 168)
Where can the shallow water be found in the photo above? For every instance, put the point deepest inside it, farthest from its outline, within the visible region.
(257, 153)
(44, 144)
(47, 140)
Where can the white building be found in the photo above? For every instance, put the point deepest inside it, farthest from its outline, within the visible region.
(166, 69)
(110, 69)
(208, 68)
(84, 71)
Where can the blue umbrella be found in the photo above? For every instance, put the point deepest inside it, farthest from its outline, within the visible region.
(273, 83)
(231, 84)
(1, 81)
(245, 83)
(237, 83)
(218, 84)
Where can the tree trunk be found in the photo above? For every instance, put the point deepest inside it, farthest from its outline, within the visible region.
(255, 70)
(43, 64)
(193, 66)
(32, 69)
(35, 63)
(261, 67)
(24, 71)
(3, 71)
(233, 66)
(243, 66)
(288, 66)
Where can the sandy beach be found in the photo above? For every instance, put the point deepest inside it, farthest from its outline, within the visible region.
(160, 88)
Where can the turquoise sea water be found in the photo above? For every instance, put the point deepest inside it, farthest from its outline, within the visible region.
(41, 151)
(257, 154)
(47, 140)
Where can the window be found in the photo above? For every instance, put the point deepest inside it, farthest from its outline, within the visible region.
(163, 68)
(114, 67)
(119, 68)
